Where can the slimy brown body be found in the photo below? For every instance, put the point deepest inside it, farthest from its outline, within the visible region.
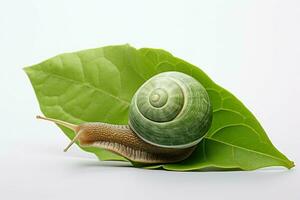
(123, 141)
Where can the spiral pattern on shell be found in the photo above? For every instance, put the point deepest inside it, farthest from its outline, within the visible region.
(171, 109)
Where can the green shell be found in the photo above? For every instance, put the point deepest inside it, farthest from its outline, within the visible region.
(171, 110)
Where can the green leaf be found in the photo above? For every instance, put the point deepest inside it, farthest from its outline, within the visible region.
(98, 84)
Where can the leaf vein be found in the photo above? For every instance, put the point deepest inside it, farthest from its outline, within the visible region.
(232, 125)
(86, 84)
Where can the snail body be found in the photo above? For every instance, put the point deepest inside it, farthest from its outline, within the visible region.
(168, 116)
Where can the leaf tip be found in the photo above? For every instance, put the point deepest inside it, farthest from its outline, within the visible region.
(26, 70)
(291, 165)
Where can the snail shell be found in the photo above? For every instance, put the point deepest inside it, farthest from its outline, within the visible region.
(171, 110)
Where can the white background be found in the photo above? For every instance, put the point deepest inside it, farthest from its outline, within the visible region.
(252, 48)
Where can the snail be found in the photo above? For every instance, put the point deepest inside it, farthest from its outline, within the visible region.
(168, 116)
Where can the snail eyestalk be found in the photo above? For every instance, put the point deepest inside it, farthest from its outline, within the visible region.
(65, 124)
(60, 122)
